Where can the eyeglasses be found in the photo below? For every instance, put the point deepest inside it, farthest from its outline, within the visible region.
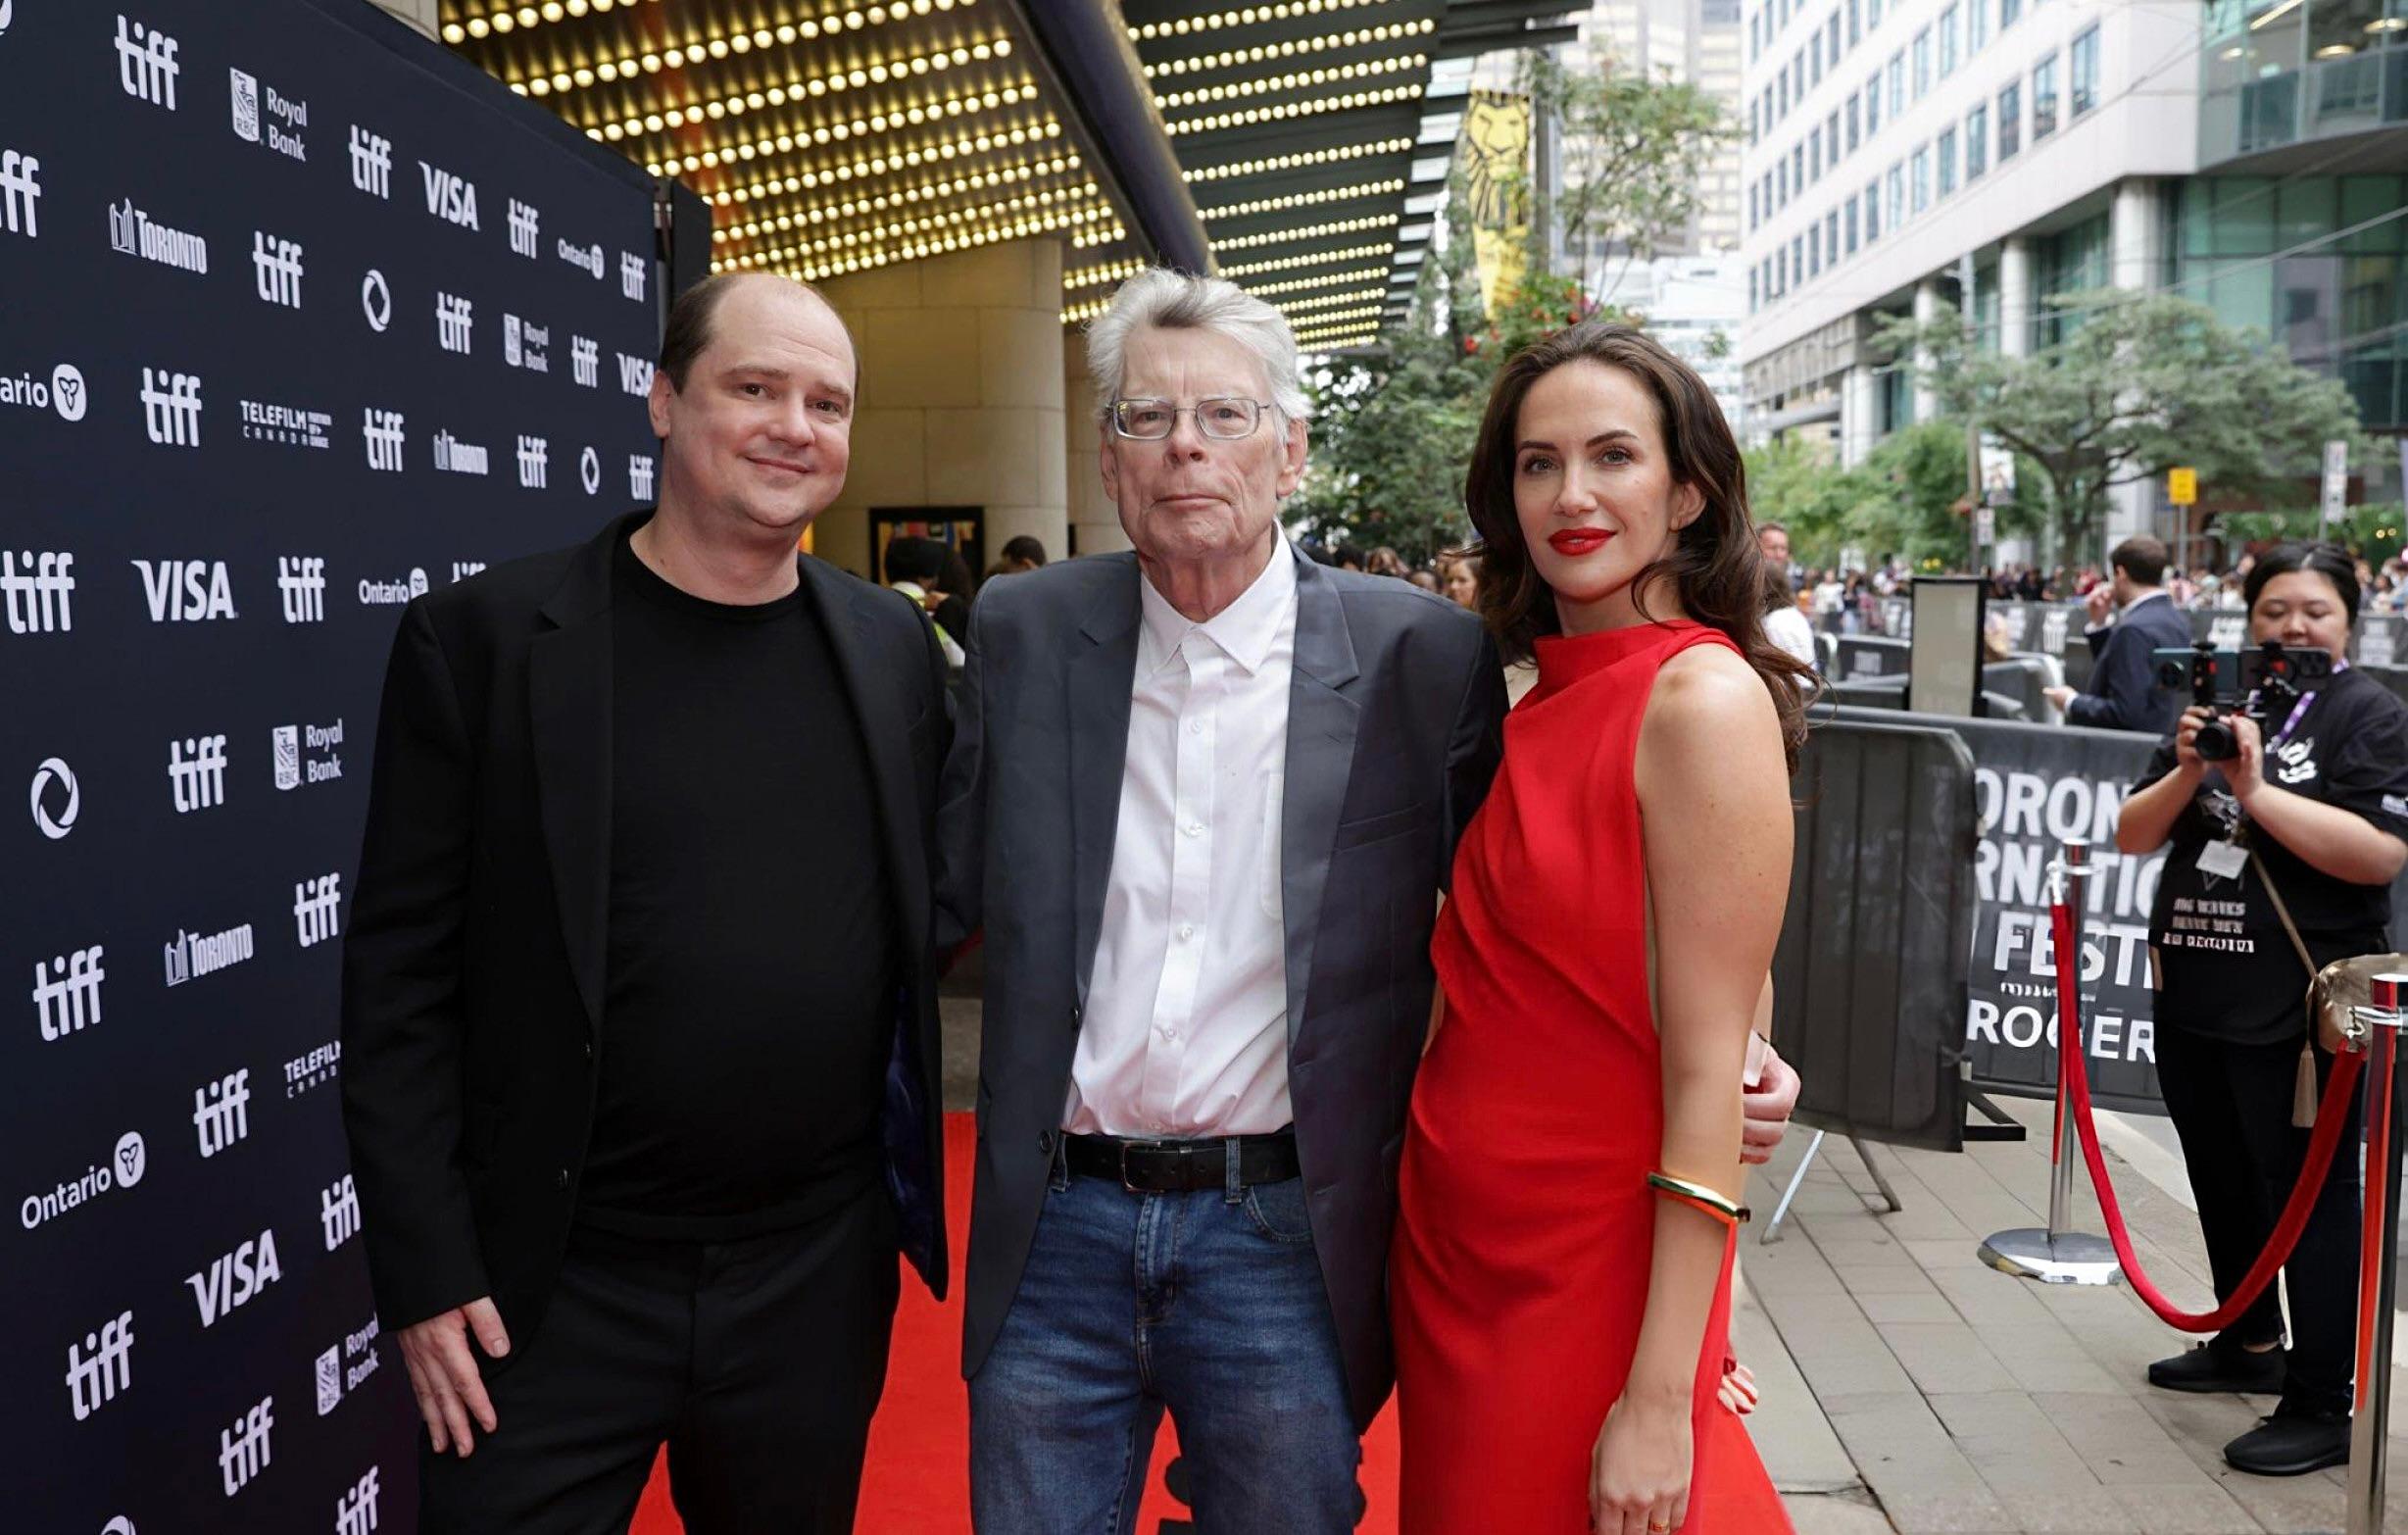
(1221, 418)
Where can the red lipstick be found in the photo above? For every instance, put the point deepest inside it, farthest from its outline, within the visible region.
(1573, 542)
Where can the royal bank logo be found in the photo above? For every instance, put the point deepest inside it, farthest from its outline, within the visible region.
(122, 1170)
(171, 407)
(192, 953)
(186, 591)
(222, 1111)
(301, 581)
(243, 92)
(631, 271)
(317, 910)
(534, 453)
(286, 425)
(450, 198)
(455, 322)
(146, 64)
(102, 1366)
(63, 392)
(636, 374)
(585, 362)
(280, 125)
(55, 799)
(244, 1450)
(522, 221)
(39, 595)
(585, 258)
(371, 163)
(393, 594)
(526, 345)
(386, 442)
(345, 1367)
(21, 187)
(375, 301)
(233, 1279)
(133, 232)
(67, 993)
(639, 476)
(307, 754)
(454, 457)
(355, 1513)
(196, 772)
(276, 268)
(338, 1211)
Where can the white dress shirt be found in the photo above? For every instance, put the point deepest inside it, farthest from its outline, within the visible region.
(1185, 1030)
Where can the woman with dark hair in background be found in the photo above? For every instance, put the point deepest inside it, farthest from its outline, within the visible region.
(1569, 1193)
(2292, 843)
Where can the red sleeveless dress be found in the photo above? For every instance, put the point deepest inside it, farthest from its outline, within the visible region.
(1519, 1274)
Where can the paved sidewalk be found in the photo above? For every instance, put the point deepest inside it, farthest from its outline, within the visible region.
(1966, 1400)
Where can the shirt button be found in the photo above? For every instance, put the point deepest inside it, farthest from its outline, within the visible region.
(1168, 1032)
(1186, 929)
(562, 1179)
(1044, 1142)
(1195, 727)
(1194, 829)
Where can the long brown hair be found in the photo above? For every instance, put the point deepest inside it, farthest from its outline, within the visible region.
(1714, 563)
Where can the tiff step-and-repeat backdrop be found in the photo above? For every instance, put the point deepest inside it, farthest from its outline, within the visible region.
(299, 316)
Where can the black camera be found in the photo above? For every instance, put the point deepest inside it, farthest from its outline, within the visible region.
(2255, 683)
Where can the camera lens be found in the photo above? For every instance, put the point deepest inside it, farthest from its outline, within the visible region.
(2216, 743)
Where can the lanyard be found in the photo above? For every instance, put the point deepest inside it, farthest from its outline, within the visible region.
(2300, 709)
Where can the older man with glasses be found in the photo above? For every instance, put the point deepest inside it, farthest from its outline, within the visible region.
(1203, 798)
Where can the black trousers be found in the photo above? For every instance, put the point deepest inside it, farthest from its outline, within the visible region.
(758, 1362)
(2232, 1106)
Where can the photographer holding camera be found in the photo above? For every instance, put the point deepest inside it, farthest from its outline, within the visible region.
(2288, 818)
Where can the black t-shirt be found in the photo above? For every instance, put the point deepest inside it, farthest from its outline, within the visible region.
(750, 1002)
(2225, 967)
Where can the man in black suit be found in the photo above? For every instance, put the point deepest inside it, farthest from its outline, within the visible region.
(2123, 692)
(639, 1015)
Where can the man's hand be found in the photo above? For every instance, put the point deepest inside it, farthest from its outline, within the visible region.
(2098, 602)
(1768, 1105)
(443, 1372)
(2059, 697)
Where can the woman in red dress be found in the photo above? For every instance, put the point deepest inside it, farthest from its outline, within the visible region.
(1559, 1316)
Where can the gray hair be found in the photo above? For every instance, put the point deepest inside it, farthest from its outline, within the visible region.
(1175, 301)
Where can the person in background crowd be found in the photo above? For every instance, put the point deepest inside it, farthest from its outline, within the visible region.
(1784, 625)
(1385, 561)
(2130, 616)
(1830, 600)
(2182, 588)
(1021, 555)
(912, 567)
(1773, 541)
(2316, 814)
(1602, 959)
(1426, 580)
(1350, 556)
(639, 1005)
(2028, 585)
(1460, 579)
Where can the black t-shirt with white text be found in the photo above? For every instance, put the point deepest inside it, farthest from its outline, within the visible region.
(2224, 968)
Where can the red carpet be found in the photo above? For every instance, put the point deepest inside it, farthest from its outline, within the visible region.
(917, 1480)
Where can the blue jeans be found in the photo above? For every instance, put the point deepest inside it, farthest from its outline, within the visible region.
(1207, 1303)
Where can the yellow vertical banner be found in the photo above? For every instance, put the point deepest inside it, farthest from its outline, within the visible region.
(1496, 149)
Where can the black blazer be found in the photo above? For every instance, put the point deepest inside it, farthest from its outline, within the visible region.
(473, 970)
(2123, 693)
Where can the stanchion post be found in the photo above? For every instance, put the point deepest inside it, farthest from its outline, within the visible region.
(2072, 888)
(2377, 1031)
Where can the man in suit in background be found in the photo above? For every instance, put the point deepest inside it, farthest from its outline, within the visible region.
(1204, 797)
(2123, 692)
(639, 1005)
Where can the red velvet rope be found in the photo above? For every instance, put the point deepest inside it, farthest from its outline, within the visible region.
(2330, 1118)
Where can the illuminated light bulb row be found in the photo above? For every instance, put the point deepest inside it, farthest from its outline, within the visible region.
(1237, 56)
(1337, 325)
(508, 19)
(902, 197)
(1327, 194)
(737, 103)
(882, 165)
(1298, 81)
(1296, 307)
(1244, 16)
(563, 81)
(1327, 279)
(1310, 157)
(1312, 232)
(858, 128)
(819, 213)
(919, 250)
(1339, 319)
(1110, 272)
(1293, 109)
(1319, 345)
(786, 143)
(1310, 259)
(1096, 235)
(915, 233)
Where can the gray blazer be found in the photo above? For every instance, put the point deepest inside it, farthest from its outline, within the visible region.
(1395, 724)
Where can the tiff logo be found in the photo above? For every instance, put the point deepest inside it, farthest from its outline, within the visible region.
(631, 268)
(102, 1366)
(67, 992)
(636, 374)
(455, 318)
(146, 63)
(302, 579)
(585, 360)
(196, 772)
(40, 598)
(338, 1211)
(171, 407)
(371, 163)
(461, 569)
(222, 1111)
(317, 909)
(522, 220)
(276, 265)
(639, 476)
(243, 1451)
(383, 431)
(21, 187)
(355, 1513)
(534, 453)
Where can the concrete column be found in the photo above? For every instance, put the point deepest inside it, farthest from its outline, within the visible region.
(2015, 297)
(1928, 299)
(420, 14)
(1094, 521)
(2136, 234)
(961, 397)
(1859, 414)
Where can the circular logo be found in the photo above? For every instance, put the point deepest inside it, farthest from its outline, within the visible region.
(418, 582)
(589, 470)
(59, 825)
(377, 301)
(66, 391)
(130, 1158)
(121, 1525)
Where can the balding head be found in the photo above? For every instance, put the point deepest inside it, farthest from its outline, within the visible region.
(691, 320)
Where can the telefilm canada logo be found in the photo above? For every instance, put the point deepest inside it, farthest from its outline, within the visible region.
(286, 425)
(123, 1169)
(314, 1067)
(307, 754)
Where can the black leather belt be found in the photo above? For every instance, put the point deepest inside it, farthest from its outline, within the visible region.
(1175, 1166)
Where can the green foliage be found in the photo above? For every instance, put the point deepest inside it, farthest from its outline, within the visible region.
(1902, 500)
(2370, 532)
